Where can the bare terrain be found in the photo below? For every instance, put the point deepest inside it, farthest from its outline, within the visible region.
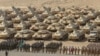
(52, 3)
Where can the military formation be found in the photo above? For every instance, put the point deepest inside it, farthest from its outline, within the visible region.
(48, 23)
(92, 49)
(55, 47)
(8, 45)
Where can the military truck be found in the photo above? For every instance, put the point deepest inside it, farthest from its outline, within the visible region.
(94, 36)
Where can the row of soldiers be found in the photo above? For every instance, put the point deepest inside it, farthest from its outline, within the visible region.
(71, 50)
(80, 51)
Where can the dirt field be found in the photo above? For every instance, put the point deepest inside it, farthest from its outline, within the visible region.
(53, 3)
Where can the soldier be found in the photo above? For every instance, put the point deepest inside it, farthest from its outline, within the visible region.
(88, 51)
(52, 50)
(75, 50)
(46, 50)
(69, 50)
(78, 49)
(66, 50)
(0, 46)
(60, 50)
(21, 43)
(6, 53)
(82, 50)
(98, 52)
(94, 51)
(43, 49)
(85, 50)
(72, 50)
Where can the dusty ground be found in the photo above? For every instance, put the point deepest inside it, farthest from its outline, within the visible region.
(53, 3)
(14, 53)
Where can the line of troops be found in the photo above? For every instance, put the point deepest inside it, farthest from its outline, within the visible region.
(8, 45)
(80, 51)
(52, 47)
(70, 50)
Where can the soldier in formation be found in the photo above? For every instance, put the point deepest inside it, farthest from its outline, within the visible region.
(70, 50)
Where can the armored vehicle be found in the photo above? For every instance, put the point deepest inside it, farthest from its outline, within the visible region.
(42, 35)
(60, 35)
(76, 35)
(93, 36)
(24, 34)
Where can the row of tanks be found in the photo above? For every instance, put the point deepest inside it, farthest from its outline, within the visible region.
(58, 23)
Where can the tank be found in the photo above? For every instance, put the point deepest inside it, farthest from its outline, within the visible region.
(76, 35)
(29, 15)
(17, 26)
(91, 15)
(83, 11)
(98, 29)
(61, 14)
(60, 35)
(87, 28)
(8, 11)
(71, 26)
(7, 33)
(3, 35)
(82, 20)
(51, 19)
(16, 20)
(12, 15)
(39, 10)
(97, 21)
(33, 20)
(2, 26)
(6, 23)
(23, 10)
(55, 26)
(1, 19)
(94, 36)
(22, 24)
(28, 24)
(24, 34)
(39, 25)
(45, 14)
(64, 21)
(42, 35)
(55, 11)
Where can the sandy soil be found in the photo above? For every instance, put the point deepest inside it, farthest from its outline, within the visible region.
(53, 3)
